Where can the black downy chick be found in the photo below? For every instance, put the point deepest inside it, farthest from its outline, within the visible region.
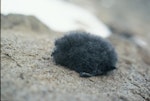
(87, 54)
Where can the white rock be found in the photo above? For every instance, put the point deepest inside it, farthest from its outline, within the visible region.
(58, 15)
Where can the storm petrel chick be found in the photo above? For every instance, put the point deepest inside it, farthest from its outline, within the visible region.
(87, 54)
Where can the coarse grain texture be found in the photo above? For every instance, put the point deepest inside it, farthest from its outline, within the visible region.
(28, 73)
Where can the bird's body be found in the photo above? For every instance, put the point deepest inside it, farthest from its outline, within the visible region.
(86, 54)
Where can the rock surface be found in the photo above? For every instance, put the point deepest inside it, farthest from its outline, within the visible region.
(28, 72)
(23, 23)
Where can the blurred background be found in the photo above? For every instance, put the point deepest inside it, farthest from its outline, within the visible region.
(63, 15)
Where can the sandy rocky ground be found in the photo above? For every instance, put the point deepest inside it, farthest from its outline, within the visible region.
(28, 72)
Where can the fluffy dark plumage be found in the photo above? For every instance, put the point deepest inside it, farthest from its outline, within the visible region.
(87, 54)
